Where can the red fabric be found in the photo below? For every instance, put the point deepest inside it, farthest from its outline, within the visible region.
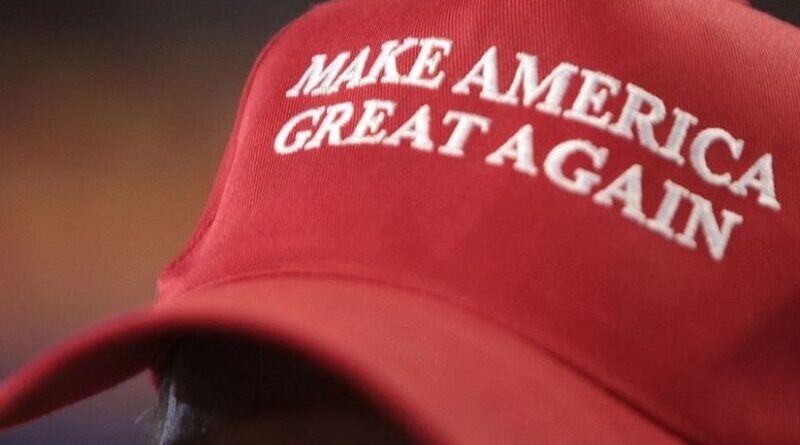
(696, 335)
(452, 377)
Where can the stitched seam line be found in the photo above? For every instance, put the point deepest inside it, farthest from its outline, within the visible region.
(209, 215)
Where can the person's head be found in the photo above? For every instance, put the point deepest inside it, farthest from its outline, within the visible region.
(218, 390)
(505, 222)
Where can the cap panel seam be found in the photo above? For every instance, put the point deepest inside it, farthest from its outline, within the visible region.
(209, 213)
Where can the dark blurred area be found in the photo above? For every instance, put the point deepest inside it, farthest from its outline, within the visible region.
(113, 116)
(786, 10)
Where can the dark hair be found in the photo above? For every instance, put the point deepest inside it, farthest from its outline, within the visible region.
(210, 380)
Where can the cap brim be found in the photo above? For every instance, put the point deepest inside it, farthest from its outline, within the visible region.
(449, 376)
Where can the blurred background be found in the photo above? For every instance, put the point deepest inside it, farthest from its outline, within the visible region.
(113, 116)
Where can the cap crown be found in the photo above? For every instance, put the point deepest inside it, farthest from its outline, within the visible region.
(617, 183)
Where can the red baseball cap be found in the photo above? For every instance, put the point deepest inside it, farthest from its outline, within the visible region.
(507, 222)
